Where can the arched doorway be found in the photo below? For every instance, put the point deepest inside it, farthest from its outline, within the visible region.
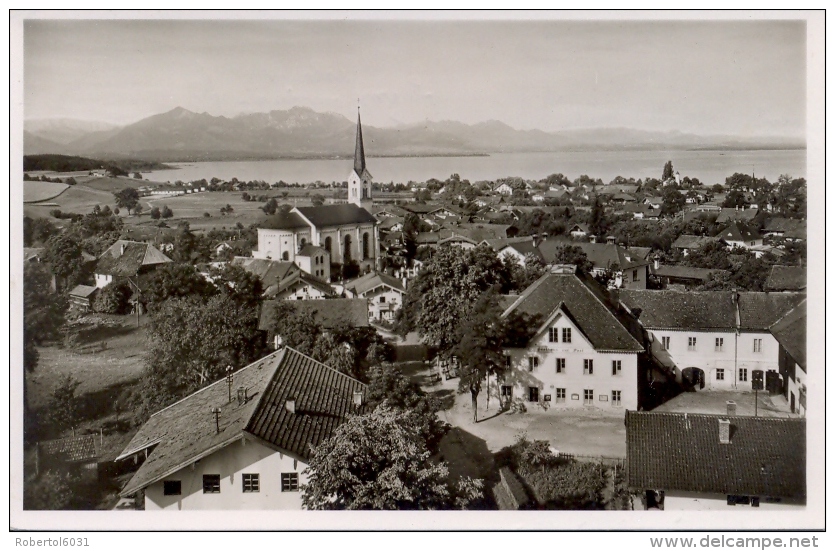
(346, 251)
(365, 246)
(693, 378)
(285, 256)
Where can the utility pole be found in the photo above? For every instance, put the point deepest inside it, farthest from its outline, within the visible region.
(229, 381)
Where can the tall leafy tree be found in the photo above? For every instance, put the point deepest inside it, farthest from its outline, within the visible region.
(127, 198)
(672, 201)
(173, 280)
(63, 253)
(572, 254)
(239, 284)
(379, 461)
(668, 171)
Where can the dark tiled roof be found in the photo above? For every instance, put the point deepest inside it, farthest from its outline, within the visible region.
(790, 332)
(310, 250)
(781, 225)
(323, 396)
(336, 215)
(738, 231)
(72, 450)
(681, 309)
(270, 272)
(685, 272)
(480, 232)
(766, 456)
(692, 241)
(371, 280)
(525, 248)
(762, 310)
(786, 278)
(125, 258)
(605, 325)
(83, 291)
(728, 215)
(300, 278)
(602, 255)
(185, 431)
(327, 312)
(284, 221)
(427, 238)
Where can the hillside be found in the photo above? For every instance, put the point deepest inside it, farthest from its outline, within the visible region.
(67, 163)
(300, 132)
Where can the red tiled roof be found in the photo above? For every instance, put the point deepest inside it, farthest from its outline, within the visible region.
(790, 332)
(786, 278)
(766, 456)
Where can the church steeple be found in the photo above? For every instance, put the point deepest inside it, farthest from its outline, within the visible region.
(359, 150)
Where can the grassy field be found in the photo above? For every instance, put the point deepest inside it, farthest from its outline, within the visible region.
(41, 191)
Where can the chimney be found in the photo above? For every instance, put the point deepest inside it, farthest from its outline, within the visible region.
(655, 263)
(535, 240)
(731, 408)
(724, 431)
(404, 281)
(122, 249)
(358, 398)
(290, 405)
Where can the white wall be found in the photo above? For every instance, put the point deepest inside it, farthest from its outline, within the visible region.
(272, 244)
(103, 280)
(688, 501)
(378, 310)
(573, 379)
(230, 463)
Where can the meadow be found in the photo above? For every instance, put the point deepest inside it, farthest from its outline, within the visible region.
(34, 192)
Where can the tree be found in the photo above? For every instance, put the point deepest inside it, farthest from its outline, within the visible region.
(672, 201)
(63, 408)
(174, 280)
(155, 213)
(318, 200)
(572, 254)
(137, 176)
(668, 171)
(271, 206)
(297, 328)
(137, 210)
(51, 491)
(113, 299)
(597, 222)
(127, 198)
(735, 199)
(379, 461)
(37, 231)
(191, 341)
(479, 346)
(167, 212)
(63, 253)
(445, 290)
(237, 283)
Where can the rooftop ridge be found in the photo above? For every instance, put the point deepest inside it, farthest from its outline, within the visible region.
(323, 364)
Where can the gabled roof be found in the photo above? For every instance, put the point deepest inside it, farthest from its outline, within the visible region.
(186, 432)
(310, 250)
(524, 248)
(604, 324)
(502, 242)
(336, 215)
(421, 208)
(602, 255)
(790, 332)
(761, 310)
(692, 241)
(728, 215)
(300, 278)
(780, 225)
(83, 291)
(283, 221)
(786, 278)
(480, 232)
(738, 231)
(766, 456)
(328, 313)
(682, 309)
(125, 258)
(685, 272)
(270, 272)
(74, 449)
(373, 280)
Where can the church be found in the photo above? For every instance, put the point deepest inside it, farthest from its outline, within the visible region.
(347, 232)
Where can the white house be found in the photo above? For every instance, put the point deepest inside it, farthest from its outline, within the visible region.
(383, 292)
(584, 352)
(790, 332)
(713, 339)
(699, 462)
(127, 260)
(738, 234)
(301, 286)
(503, 189)
(314, 260)
(248, 453)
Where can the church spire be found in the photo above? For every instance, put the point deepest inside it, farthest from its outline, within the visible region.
(359, 151)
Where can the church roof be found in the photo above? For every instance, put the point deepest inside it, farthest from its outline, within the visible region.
(336, 215)
(359, 150)
(284, 221)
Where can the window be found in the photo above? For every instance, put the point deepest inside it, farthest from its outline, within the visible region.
(172, 488)
(560, 365)
(691, 343)
(566, 334)
(616, 397)
(289, 482)
(665, 343)
(758, 345)
(252, 482)
(553, 333)
(285, 256)
(382, 300)
(588, 397)
(588, 367)
(507, 390)
(533, 394)
(743, 375)
(615, 367)
(508, 361)
(720, 342)
(559, 395)
(634, 275)
(211, 483)
(720, 374)
(533, 363)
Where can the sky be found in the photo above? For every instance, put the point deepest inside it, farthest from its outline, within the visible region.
(704, 77)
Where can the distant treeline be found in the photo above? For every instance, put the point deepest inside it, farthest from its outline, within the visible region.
(67, 163)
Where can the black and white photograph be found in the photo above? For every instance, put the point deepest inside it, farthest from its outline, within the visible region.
(555, 265)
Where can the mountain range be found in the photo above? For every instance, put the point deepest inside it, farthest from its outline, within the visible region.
(300, 132)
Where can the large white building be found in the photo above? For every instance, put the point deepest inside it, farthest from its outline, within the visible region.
(584, 352)
(207, 452)
(347, 232)
(713, 339)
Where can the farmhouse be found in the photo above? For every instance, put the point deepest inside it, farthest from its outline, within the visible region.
(686, 461)
(738, 234)
(126, 260)
(209, 452)
(584, 352)
(301, 286)
(687, 243)
(631, 269)
(383, 293)
(270, 272)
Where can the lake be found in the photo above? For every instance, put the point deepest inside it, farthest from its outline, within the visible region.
(709, 167)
